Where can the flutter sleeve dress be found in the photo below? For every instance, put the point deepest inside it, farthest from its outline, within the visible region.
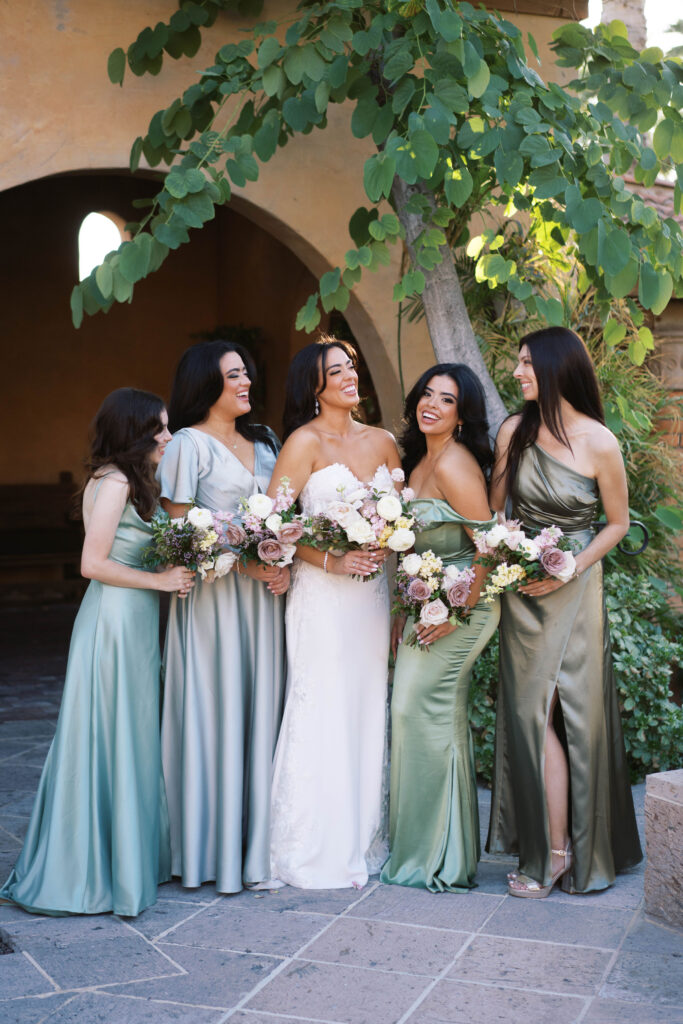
(223, 686)
(560, 641)
(434, 817)
(98, 836)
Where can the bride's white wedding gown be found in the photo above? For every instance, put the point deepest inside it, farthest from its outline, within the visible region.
(328, 798)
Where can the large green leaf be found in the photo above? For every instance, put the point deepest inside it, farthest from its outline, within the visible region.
(458, 185)
(655, 288)
(116, 68)
(378, 176)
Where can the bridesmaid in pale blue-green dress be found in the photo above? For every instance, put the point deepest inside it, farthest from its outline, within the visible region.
(434, 818)
(224, 658)
(98, 836)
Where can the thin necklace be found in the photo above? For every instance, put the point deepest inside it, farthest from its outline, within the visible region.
(223, 439)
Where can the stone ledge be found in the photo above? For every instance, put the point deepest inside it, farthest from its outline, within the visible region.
(664, 842)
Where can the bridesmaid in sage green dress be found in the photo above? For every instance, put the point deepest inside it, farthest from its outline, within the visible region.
(434, 818)
(561, 795)
(224, 658)
(98, 836)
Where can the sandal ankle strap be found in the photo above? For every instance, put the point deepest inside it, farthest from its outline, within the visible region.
(560, 853)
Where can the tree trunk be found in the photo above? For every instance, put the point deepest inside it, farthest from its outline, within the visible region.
(632, 13)
(449, 324)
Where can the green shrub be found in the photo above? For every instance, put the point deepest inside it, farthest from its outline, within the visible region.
(644, 649)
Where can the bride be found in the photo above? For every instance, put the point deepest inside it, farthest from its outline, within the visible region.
(327, 784)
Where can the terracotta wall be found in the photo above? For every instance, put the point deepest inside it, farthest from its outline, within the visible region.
(55, 377)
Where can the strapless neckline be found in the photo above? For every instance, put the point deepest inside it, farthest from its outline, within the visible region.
(342, 465)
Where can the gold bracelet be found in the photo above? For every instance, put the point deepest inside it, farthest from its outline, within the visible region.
(327, 554)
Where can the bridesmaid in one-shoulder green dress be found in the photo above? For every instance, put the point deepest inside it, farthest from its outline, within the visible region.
(434, 818)
(561, 795)
(98, 838)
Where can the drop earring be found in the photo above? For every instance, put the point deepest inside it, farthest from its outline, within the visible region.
(458, 432)
(316, 407)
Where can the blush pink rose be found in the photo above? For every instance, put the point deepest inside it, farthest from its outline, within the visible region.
(270, 550)
(557, 563)
(234, 535)
(290, 533)
(434, 613)
(514, 539)
(418, 590)
(457, 594)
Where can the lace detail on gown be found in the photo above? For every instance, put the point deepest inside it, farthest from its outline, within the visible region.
(330, 784)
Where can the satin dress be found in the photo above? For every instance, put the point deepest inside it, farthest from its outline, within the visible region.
(560, 641)
(434, 817)
(98, 836)
(223, 686)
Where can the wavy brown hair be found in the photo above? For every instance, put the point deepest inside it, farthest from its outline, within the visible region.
(123, 433)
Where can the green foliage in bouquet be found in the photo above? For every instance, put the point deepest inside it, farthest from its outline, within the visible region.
(645, 648)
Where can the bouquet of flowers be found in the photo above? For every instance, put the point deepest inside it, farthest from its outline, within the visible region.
(193, 541)
(431, 593)
(376, 516)
(271, 528)
(518, 559)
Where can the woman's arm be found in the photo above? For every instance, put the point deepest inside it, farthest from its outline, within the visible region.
(498, 485)
(96, 564)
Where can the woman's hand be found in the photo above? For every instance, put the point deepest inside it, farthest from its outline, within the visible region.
(276, 577)
(397, 627)
(280, 584)
(429, 634)
(176, 578)
(539, 588)
(356, 563)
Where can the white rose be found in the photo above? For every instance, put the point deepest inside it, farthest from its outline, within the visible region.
(569, 569)
(496, 534)
(529, 549)
(224, 563)
(401, 540)
(412, 564)
(201, 518)
(289, 552)
(360, 531)
(274, 522)
(343, 513)
(434, 613)
(398, 475)
(451, 572)
(389, 508)
(260, 505)
(357, 497)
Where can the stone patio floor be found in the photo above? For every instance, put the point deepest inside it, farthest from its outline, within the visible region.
(383, 955)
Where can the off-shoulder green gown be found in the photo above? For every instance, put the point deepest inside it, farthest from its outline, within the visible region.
(434, 818)
(560, 641)
(98, 838)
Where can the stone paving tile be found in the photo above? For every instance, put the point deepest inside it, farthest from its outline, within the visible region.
(30, 1010)
(647, 977)
(463, 912)
(23, 729)
(248, 929)
(14, 778)
(34, 755)
(459, 1003)
(79, 951)
(317, 901)
(625, 894)
(648, 935)
(492, 877)
(561, 922)
(18, 976)
(242, 1017)
(614, 1011)
(101, 1008)
(533, 965)
(175, 891)
(389, 947)
(17, 803)
(14, 824)
(165, 914)
(11, 914)
(214, 977)
(349, 995)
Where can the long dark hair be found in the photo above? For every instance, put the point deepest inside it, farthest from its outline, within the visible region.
(563, 369)
(198, 384)
(303, 386)
(123, 434)
(474, 430)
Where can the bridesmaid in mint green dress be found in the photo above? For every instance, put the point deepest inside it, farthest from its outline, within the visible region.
(98, 836)
(224, 655)
(434, 818)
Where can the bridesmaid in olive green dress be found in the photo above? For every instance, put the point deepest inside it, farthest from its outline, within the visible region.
(434, 819)
(98, 836)
(561, 795)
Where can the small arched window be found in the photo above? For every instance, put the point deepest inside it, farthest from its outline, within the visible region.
(98, 235)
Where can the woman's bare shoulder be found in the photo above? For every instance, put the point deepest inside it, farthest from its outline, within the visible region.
(507, 428)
